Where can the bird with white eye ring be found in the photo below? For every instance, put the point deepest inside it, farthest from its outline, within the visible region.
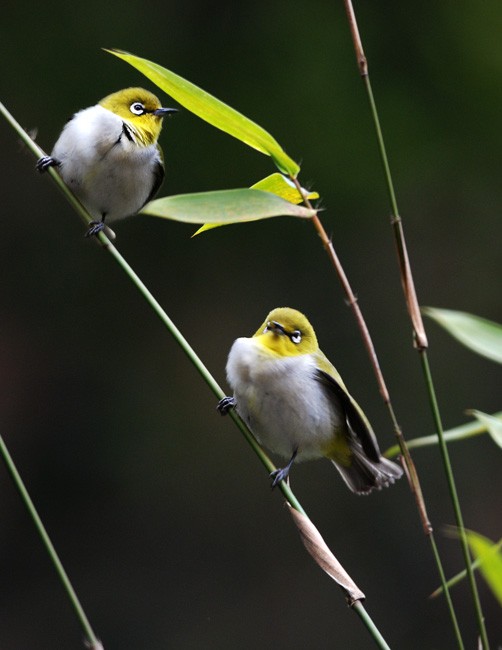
(109, 155)
(296, 404)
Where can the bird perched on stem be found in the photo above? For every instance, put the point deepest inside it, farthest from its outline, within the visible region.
(109, 155)
(296, 404)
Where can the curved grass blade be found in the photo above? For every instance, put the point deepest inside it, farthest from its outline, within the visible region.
(211, 110)
(225, 206)
(463, 574)
(490, 561)
(479, 334)
(490, 424)
(493, 425)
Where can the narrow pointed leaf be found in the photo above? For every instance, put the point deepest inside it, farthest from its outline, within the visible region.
(493, 425)
(277, 184)
(479, 334)
(225, 206)
(284, 187)
(463, 574)
(212, 110)
(490, 561)
(461, 432)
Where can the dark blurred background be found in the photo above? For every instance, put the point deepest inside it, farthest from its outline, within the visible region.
(161, 513)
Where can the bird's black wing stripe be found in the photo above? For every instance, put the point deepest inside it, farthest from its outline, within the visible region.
(158, 177)
(126, 130)
(358, 425)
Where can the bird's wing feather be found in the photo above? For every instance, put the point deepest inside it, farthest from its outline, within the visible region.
(158, 177)
(356, 419)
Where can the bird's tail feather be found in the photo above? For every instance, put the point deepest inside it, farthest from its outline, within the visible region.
(364, 475)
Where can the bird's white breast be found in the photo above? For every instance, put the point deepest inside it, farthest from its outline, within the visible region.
(281, 401)
(109, 173)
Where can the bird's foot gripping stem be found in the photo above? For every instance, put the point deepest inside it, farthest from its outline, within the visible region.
(225, 404)
(45, 162)
(95, 227)
(282, 473)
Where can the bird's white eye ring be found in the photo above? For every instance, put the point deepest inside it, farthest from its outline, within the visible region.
(137, 108)
(296, 336)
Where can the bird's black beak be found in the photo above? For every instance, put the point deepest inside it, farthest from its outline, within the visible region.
(161, 112)
(275, 327)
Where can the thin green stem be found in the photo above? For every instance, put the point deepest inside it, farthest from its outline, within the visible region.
(414, 311)
(402, 252)
(421, 341)
(455, 500)
(200, 367)
(449, 602)
(377, 637)
(409, 290)
(383, 153)
(63, 576)
(94, 643)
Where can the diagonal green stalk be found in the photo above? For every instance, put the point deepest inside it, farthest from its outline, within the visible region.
(357, 606)
(377, 637)
(197, 363)
(419, 333)
(455, 501)
(92, 640)
(215, 388)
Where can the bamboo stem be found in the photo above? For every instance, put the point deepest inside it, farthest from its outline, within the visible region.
(418, 327)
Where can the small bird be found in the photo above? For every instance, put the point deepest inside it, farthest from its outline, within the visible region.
(296, 404)
(109, 156)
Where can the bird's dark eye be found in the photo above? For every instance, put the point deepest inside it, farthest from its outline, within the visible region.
(296, 336)
(137, 108)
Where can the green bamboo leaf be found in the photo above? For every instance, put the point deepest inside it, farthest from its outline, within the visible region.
(469, 430)
(490, 561)
(493, 425)
(285, 188)
(212, 110)
(480, 335)
(224, 206)
(463, 574)
(277, 184)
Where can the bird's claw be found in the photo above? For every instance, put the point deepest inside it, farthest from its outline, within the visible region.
(225, 404)
(45, 162)
(282, 473)
(95, 227)
(278, 475)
